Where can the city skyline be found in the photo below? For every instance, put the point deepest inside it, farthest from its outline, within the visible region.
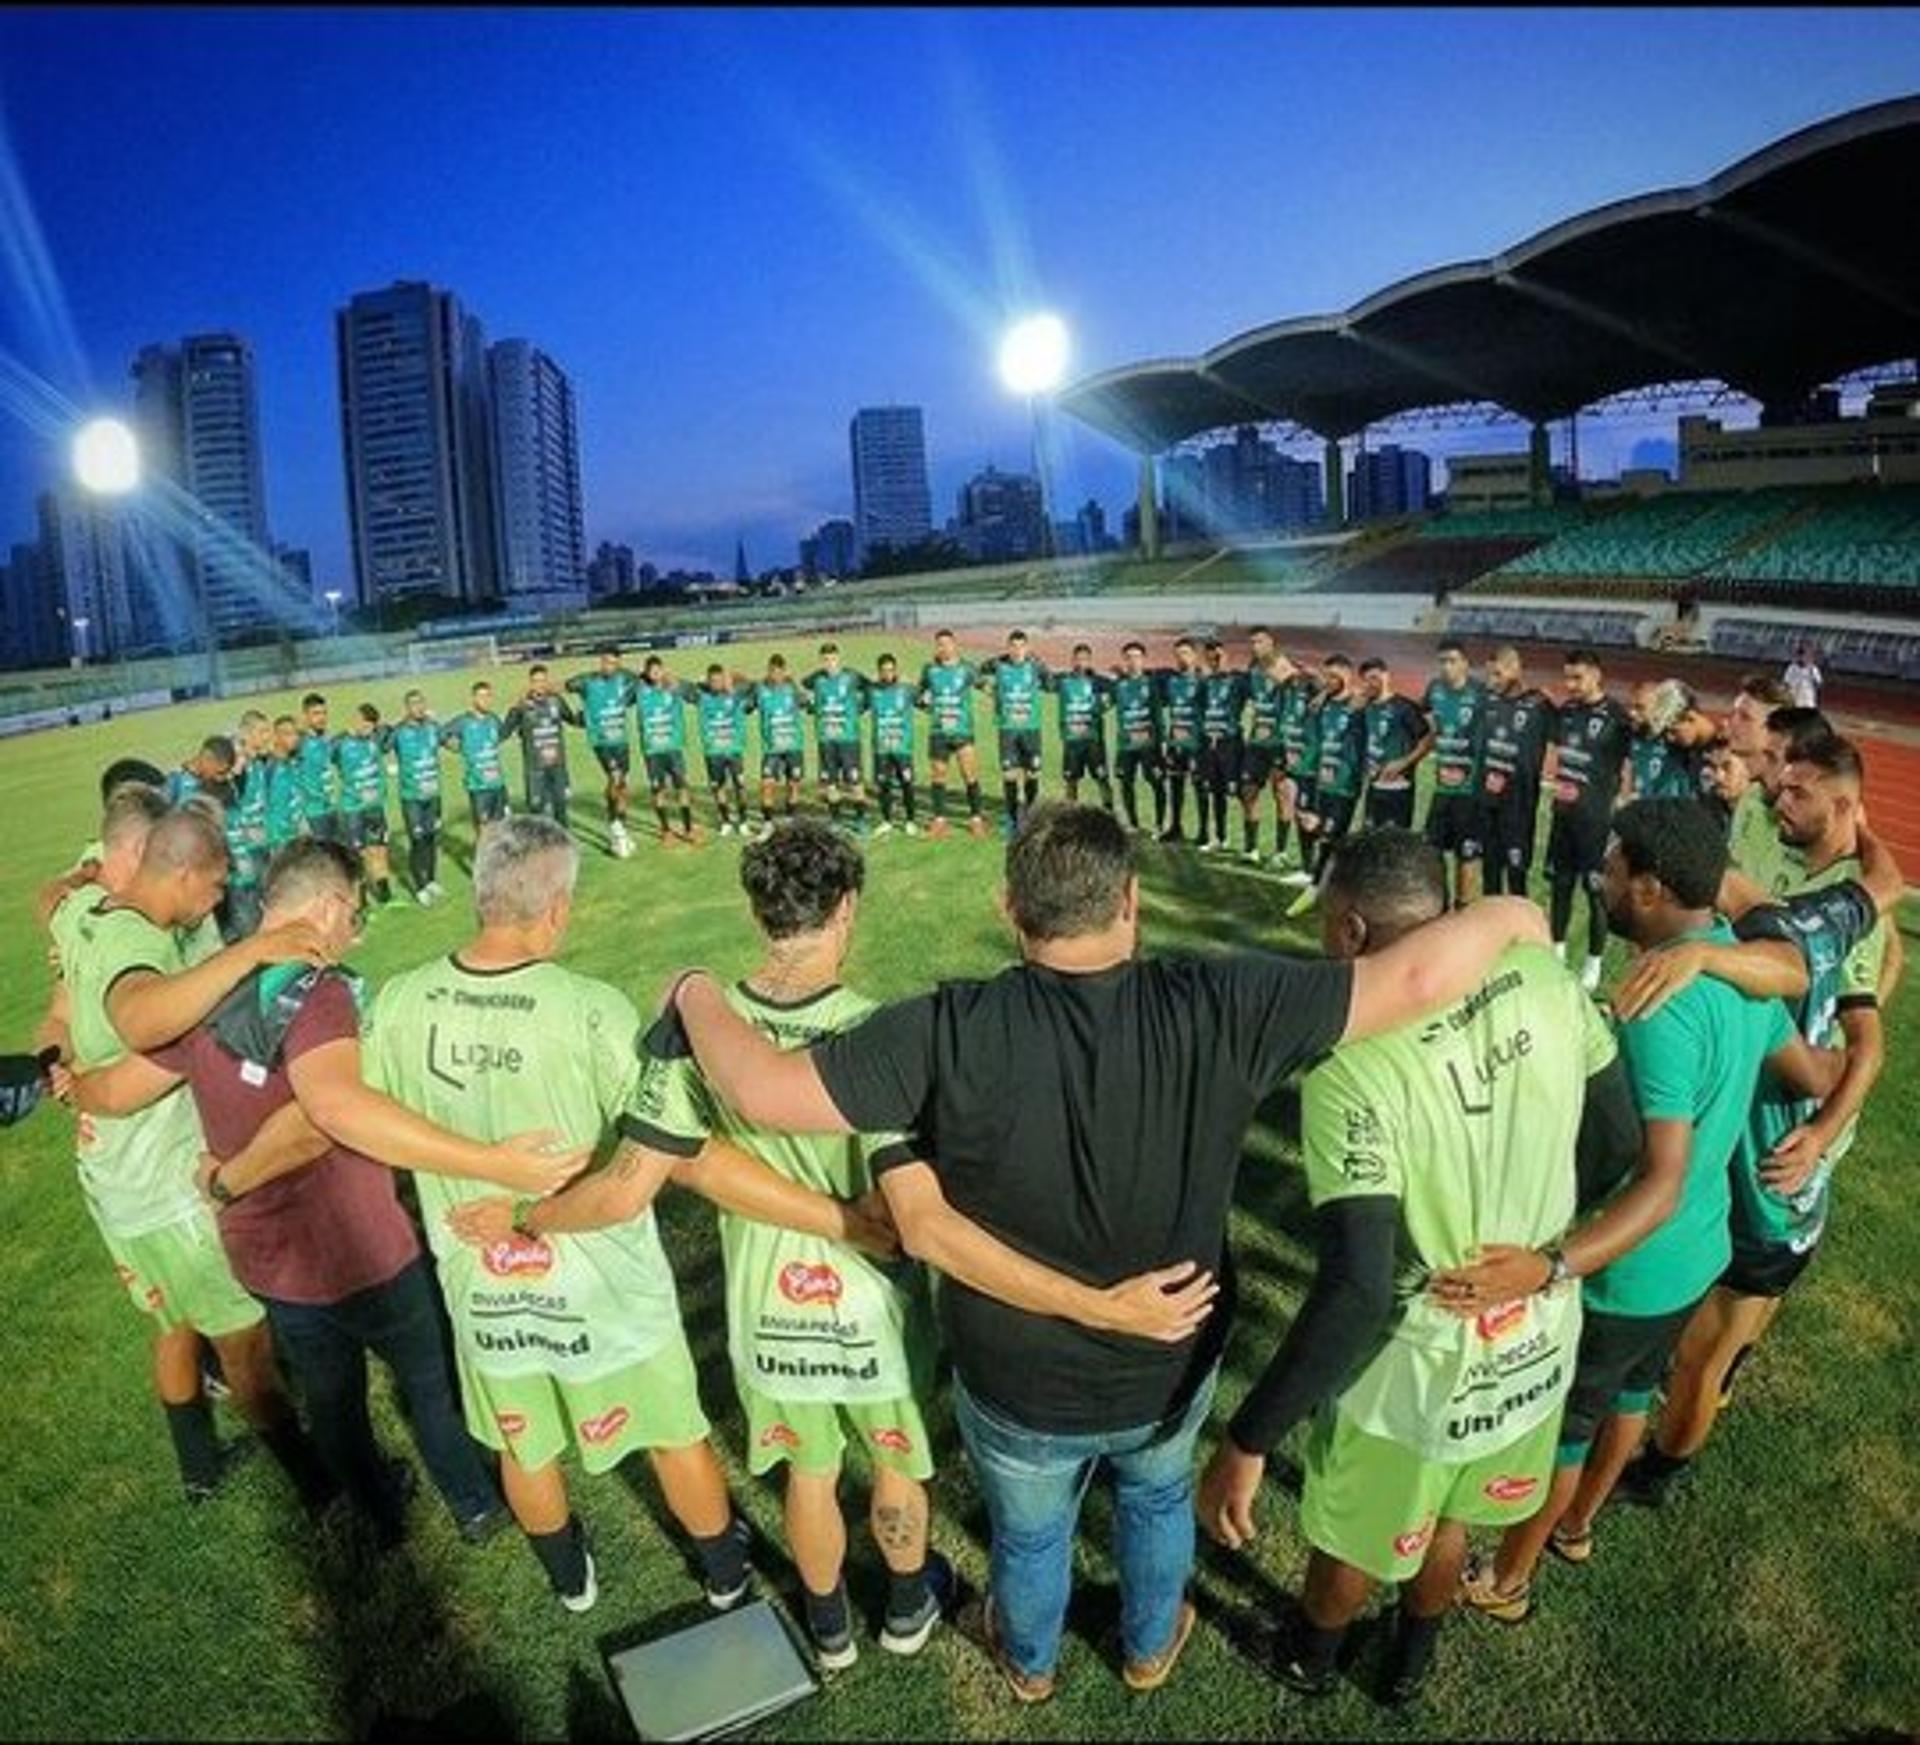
(811, 213)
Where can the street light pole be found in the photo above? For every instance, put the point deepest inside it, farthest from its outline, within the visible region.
(1033, 362)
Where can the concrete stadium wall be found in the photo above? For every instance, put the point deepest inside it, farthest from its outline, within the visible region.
(1384, 612)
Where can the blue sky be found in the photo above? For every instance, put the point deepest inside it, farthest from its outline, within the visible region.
(734, 228)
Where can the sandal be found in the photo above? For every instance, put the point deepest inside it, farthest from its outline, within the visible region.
(1574, 1548)
(1479, 1593)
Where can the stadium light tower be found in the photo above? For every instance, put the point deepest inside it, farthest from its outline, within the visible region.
(1033, 363)
(332, 598)
(106, 458)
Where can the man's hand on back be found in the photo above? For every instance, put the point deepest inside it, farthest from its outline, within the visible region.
(1169, 1305)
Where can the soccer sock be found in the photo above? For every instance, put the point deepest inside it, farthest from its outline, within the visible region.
(885, 799)
(1177, 798)
(1413, 1645)
(195, 1445)
(859, 814)
(939, 799)
(686, 820)
(973, 798)
(1010, 796)
(1281, 830)
(1158, 788)
(723, 1558)
(720, 806)
(383, 890)
(1596, 924)
(906, 798)
(1220, 816)
(827, 1614)
(1560, 909)
(1130, 799)
(906, 1594)
(563, 1555)
(660, 812)
(1317, 1649)
(1029, 792)
(419, 855)
(1250, 835)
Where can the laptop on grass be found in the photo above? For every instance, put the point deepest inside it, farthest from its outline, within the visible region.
(713, 1678)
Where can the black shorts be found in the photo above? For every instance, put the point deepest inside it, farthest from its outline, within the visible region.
(941, 746)
(666, 769)
(1765, 1272)
(892, 769)
(616, 760)
(1620, 1355)
(1335, 812)
(1456, 825)
(1178, 760)
(366, 828)
(723, 770)
(1577, 842)
(783, 766)
(1390, 806)
(486, 804)
(422, 818)
(1258, 766)
(1080, 758)
(839, 764)
(1020, 750)
(1220, 764)
(1306, 794)
(1513, 823)
(326, 826)
(1132, 760)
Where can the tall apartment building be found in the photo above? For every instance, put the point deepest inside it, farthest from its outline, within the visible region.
(84, 570)
(31, 632)
(998, 518)
(1389, 480)
(892, 504)
(417, 435)
(536, 454)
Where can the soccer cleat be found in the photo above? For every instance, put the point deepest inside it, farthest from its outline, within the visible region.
(726, 827)
(1206, 845)
(939, 827)
(483, 1528)
(1590, 975)
(976, 825)
(724, 1599)
(908, 1635)
(1251, 856)
(589, 1591)
(233, 1455)
(424, 897)
(1480, 1592)
(883, 828)
(1298, 876)
(1304, 902)
(911, 828)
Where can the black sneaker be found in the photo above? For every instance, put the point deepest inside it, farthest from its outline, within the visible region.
(1291, 1667)
(724, 1599)
(832, 1633)
(213, 1378)
(486, 1526)
(908, 1635)
(232, 1456)
(1640, 1485)
(390, 1514)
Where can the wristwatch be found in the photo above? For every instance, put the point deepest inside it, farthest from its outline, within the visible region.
(218, 1191)
(522, 1210)
(1558, 1271)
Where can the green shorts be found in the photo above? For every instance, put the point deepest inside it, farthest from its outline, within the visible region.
(179, 1275)
(1375, 1504)
(651, 1404)
(812, 1437)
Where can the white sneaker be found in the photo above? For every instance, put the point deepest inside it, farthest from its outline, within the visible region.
(911, 828)
(583, 1601)
(437, 891)
(1251, 857)
(884, 827)
(424, 896)
(1298, 876)
(726, 826)
(1590, 976)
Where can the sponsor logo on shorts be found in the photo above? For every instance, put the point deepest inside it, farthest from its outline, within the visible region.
(895, 1441)
(779, 1436)
(1413, 1543)
(1508, 1489)
(605, 1427)
(517, 1257)
(511, 1423)
(1501, 1319)
(802, 1283)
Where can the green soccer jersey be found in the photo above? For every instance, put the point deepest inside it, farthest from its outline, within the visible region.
(363, 772)
(605, 699)
(1083, 698)
(490, 1055)
(1660, 769)
(1263, 709)
(1697, 1059)
(284, 810)
(476, 738)
(1753, 842)
(836, 700)
(808, 1319)
(723, 722)
(416, 749)
(136, 1170)
(1341, 763)
(318, 792)
(1223, 701)
(891, 707)
(947, 693)
(1459, 736)
(781, 730)
(1295, 711)
(1017, 685)
(1394, 728)
(1180, 705)
(1469, 1119)
(246, 826)
(1136, 711)
(662, 713)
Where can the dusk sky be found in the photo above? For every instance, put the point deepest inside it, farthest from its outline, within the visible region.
(734, 228)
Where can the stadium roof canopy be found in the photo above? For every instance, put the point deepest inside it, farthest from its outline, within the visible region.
(1796, 265)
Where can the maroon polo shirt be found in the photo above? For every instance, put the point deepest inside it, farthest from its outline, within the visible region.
(326, 1230)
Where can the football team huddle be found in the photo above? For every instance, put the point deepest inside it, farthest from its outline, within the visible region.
(1529, 1221)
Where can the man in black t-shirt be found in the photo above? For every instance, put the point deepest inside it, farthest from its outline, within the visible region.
(1592, 734)
(1089, 1108)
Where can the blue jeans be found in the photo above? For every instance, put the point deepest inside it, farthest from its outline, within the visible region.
(1033, 1483)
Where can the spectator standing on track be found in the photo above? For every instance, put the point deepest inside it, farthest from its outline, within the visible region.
(1803, 677)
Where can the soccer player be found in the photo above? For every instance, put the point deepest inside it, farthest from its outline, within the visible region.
(606, 695)
(1456, 816)
(660, 706)
(208, 771)
(246, 822)
(1657, 767)
(1136, 714)
(1017, 679)
(722, 713)
(1755, 844)
(415, 742)
(1518, 720)
(1084, 696)
(780, 705)
(1655, 1249)
(560, 1339)
(1180, 707)
(361, 754)
(1423, 1146)
(541, 718)
(1263, 765)
(946, 693)
(1591, 735)
(476, 735)
(128, 983)
(835, 695)
(1398, 737)
(1833, 940)
(1223, 706)
(319, 781)
(1341, 736)
(891, 703)
(1299, 752)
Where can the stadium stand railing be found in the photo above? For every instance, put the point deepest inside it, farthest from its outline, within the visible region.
(1522, 623)
(1871, 653)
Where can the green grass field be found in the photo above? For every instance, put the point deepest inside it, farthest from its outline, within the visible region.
(1777, 1600)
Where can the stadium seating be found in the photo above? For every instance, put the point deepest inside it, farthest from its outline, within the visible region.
(1859, 542)
(1543, 521)
(1521, 623)
(1422, 566)
(1881, 654)
(1671, 536)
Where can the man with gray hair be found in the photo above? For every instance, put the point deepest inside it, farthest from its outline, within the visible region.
(567, 1337)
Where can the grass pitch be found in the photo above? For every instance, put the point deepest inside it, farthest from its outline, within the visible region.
(1776, 1600)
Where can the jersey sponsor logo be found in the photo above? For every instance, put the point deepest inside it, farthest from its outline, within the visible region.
(1502, 1319)
(894, 1440)
(1507, 1052)
(1411, 1544)
(1509, 1489)
(517, 1257)
(802, 1283)
(458, 1063)
(779, 1436)
(605, 1427)
(510, 1423)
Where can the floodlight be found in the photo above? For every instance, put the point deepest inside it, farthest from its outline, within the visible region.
(1033, 355)
(106, 458)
